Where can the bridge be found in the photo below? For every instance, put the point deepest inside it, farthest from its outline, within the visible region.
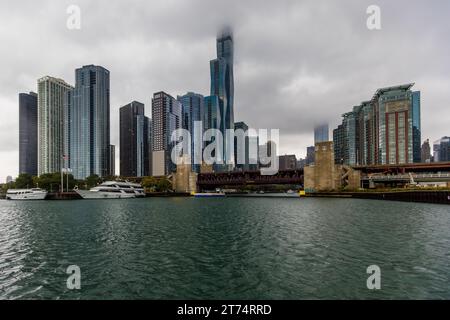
(243, 178)
(434, 167)
(402, 173)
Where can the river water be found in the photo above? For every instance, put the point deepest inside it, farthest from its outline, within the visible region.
(224, 248)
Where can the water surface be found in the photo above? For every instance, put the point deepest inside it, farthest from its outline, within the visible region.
(224, 248)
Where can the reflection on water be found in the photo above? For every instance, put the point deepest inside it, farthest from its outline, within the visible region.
(223, 248)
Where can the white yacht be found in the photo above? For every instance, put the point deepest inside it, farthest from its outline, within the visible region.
(113, 190)
(26, 194)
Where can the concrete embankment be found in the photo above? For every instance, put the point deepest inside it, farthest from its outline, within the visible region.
(440, 197)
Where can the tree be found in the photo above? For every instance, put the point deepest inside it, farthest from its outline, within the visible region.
(93, 180)
(163, 185)
(149, 183)
(24, 181)
(48, 181)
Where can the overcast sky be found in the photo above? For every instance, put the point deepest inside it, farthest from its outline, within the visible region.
(296, 62)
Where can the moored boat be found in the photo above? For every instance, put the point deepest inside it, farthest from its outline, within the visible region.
(26, 194)
(113, 190)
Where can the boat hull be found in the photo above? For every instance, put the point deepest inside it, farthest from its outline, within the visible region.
(30, 196)
(86, 194)
(209, 195)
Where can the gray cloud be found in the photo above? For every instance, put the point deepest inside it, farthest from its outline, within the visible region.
(296, 62)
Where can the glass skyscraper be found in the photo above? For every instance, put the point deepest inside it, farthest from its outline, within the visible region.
(88, 122)
(134, 141)
(222, 85)
(192, 111)
(321, 133)
(28, 133)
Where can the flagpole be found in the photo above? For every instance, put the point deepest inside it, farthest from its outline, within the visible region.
(62, 178)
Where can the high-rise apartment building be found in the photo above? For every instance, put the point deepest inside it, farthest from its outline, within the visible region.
(51, 101)
(28, 133)
(88, 122)
(426, 152)
(166, 117)
(134, 141)
(384, 130)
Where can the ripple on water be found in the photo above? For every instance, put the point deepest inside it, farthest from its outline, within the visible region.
(223, 248)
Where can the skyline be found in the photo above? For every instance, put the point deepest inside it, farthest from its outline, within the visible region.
(289, 74)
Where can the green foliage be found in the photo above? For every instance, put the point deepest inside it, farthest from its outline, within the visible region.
(24, 181)
(92, 181)
(163, 185)
(153, 184)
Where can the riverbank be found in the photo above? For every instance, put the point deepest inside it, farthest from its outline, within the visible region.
(437, 197)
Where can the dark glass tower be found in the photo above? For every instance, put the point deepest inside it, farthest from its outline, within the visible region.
(28, 133)
(222, 84)
(192, 111)
(134, 142)
(89, 122)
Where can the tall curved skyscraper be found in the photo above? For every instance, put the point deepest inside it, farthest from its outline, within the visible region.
(222, 86)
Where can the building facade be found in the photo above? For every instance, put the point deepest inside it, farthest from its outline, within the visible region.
(28, 133)
(112, 160)
(384, 130)
(321, 133)
(166, 117)
(134, 141)
(51, 131)
(222, 86)
(287, 162)
(88, 122)
(426, 152)
(441, 150)
(309, 160)
(192, 111)
(241, 146)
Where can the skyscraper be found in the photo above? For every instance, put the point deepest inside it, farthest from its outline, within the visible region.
(88, 122)
(134, 142)
(28, 133)
(441, 150)
(384, 130)
(166, 117)
(426, 151)
(51, 97)
(212, 115)
(309, 160)
(321, 133)
(287, 162)
(241, 146)
(192, 111)
(222, 85)
(112, 160)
